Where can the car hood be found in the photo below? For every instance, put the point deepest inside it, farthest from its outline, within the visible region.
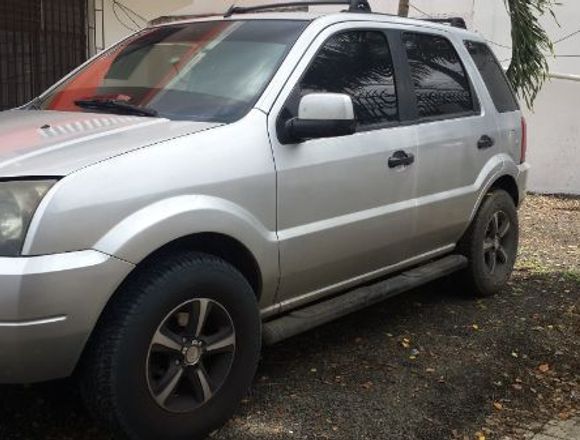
(51, 143)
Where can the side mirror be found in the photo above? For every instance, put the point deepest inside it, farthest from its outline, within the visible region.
(322, 115)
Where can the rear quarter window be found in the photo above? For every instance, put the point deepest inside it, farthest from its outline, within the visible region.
(494, 77)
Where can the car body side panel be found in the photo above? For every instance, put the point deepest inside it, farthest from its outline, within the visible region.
(220, 182)
(453, 172)
(342, 212)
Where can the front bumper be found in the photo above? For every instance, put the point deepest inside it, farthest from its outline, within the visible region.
(48, 308)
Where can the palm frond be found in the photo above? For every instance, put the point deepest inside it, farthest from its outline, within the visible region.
(529, 68)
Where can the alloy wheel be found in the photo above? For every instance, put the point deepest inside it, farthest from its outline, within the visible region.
(190, 355)
(496, 242)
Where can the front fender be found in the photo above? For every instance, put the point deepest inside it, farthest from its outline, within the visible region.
(143, 232)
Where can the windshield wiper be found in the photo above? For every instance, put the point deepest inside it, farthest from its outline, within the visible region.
(116, 106)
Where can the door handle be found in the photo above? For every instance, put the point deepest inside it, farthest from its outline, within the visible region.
(485, 142)
(401, 158)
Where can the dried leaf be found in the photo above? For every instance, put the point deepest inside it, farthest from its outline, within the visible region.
(367, 385)
(544, 368)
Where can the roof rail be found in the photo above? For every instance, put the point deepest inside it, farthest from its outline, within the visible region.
(354, 6)
(457, 22)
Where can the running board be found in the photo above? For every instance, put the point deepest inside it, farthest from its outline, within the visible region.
(310, 317)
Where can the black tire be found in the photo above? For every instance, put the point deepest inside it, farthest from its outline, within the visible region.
(481, 244)
(116, 369)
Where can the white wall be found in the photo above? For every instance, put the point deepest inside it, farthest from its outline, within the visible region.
(119, 25)
(554, 130)
(554, 133)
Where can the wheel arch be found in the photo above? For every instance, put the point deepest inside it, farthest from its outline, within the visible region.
(509, 185)
(503, 181)
(218, 245)
(215, 244)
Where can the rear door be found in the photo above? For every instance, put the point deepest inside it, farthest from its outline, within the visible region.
(457, 136)
(343, 214)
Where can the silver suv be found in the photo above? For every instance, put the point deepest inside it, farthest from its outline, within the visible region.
(209, 184)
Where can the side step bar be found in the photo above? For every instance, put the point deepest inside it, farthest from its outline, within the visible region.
(310, 317)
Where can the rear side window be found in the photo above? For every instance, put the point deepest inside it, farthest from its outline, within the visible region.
(359, 64)
(493, 76)
(441, 83)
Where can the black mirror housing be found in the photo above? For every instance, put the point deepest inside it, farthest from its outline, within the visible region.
(300, 130)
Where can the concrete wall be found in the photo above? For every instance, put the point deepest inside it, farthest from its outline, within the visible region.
(554, 132)
(554, 135)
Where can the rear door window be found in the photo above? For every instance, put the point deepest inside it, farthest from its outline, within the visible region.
(442, 86)
(494, 77)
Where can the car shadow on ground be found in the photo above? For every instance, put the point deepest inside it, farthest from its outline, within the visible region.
(428, 364)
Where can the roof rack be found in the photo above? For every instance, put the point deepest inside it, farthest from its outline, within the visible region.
(354, 6)
(457, 22)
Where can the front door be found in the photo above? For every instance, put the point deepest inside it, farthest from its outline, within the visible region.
(344, 214)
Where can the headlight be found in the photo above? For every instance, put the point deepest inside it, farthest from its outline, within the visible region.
(18, 203)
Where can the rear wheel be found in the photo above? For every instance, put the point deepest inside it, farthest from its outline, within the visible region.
(491, 245)
(176, 350)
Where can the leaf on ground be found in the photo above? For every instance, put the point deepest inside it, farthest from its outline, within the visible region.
(544, 368)
(497, 406)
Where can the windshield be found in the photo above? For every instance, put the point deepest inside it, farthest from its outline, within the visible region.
(208, 71)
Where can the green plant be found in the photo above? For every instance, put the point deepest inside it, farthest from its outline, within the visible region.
(531, 45)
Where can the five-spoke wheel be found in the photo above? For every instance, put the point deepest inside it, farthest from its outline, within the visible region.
(176, 350)
(491, 245)
(494, 251)
(190, 355)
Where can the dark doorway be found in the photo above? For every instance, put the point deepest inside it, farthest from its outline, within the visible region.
(40, 42)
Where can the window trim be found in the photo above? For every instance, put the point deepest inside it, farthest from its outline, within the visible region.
(416, 119)
(398, 80)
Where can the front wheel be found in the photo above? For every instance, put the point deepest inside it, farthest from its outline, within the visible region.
(491, 245)
(176, 350)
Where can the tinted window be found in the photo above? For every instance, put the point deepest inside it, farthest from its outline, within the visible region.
(358, 64)
(493, 76)
(441, 82)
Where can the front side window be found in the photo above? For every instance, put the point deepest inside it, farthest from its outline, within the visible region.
(359, 64)
(441, 83)
(208, 71)
(494, 77)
